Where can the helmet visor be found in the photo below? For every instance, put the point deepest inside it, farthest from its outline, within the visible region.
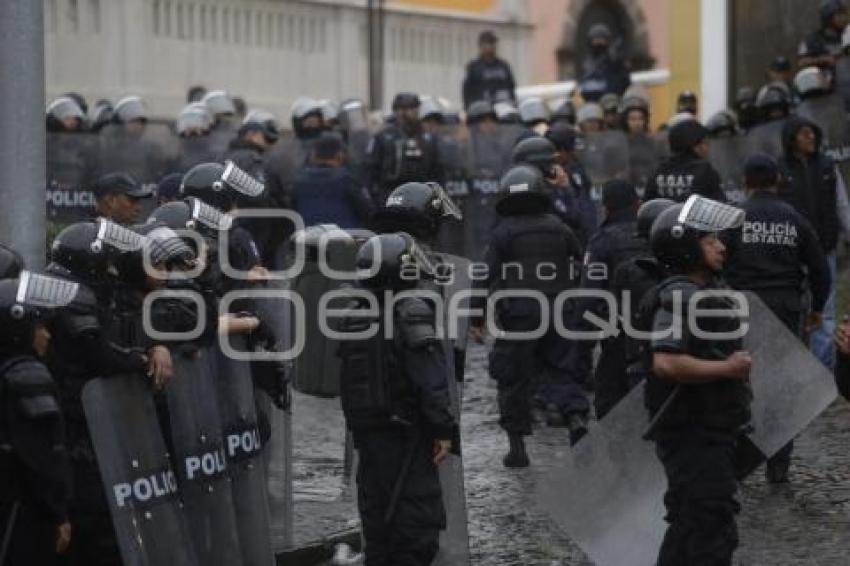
(45, 291)
(241, 182)
(708, 215)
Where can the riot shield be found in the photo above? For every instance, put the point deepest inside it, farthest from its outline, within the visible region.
(454, 541)
(842, 79)
(605, 157)
(453, 145)
(141, 486)
(790, 386)
(726, 155)
(643, 160)
(317, 366)
(607, 492)
(479, 215)
(199, 456)
(243, 446)
(766, 138)
(829, 114)
(71, 169)
(193, 151)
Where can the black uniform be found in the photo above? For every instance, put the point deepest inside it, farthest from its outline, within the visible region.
(395, 396)
(684, 175)
(34, 465)
(696, 435)
(488, 79)
(603, 74)
(396, 158)
(768, 256)
(615, 243)
(523, 367)
(82, 351)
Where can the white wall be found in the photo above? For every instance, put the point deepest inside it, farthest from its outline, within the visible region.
(269, 52)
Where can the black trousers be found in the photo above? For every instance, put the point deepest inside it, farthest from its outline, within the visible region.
(33, 536)
(700, 498)
(411, 535)
(93, 541)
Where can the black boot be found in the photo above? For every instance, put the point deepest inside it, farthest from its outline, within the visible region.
(577, 423)
(517, 456)
(776, 471)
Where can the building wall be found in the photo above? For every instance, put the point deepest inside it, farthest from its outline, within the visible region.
(268, 51)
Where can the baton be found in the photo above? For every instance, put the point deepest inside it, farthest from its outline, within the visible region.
(7, 536)
(662, 412)
(402, 478)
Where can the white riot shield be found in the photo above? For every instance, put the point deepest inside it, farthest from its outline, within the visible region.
(199, 458)
(141, 486)
(607, 492)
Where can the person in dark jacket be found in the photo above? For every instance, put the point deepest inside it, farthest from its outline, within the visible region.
(616, 242)
(394, 390)
(488, 77)
(564, 139)
(698, 393)
(772, 255)
(602, 72)
(823, 46)
(325, 191)
(530, 252)
(687, 172)
(34, 465)
(810, 184)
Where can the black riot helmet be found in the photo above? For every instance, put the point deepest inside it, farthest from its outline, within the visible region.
(90, 250)
(745, 107)
(192, 214)
(395, 262)
(164, 247)
(522, 191)
(565, 112)
(687, 102)
(536, 151)
(418, 208)
(648, 212)
(479, 111)
(811, 82)
(828, 9)
(307, 118)
(220, 186)
(24, 301)
(723, 123)
(11, 262)
(533, 111)
(772, 100)
(405, 100)
(675, 234)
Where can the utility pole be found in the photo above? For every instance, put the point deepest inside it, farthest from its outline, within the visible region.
(22, 137)
(375, 27)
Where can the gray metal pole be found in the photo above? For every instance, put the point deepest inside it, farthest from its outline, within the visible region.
(22, 135)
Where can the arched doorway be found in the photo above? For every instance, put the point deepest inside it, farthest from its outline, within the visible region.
(626, 20)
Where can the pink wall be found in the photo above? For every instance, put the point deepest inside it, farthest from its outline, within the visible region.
(549, 17)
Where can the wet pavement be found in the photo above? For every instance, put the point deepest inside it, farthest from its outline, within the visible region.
(804, 523)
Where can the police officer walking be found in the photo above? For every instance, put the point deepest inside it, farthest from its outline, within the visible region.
(698, 394)
(402, 152)
(396, 401)
(686, 172)
(540, 252)
(773, 254)
(36, 485)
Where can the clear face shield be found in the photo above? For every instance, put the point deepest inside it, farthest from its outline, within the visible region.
(117, 237)
(443, 202)
(708, 215)
(241, 182)
(45, 291)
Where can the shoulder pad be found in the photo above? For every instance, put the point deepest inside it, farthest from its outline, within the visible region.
(32, 388)
(415, 319)
(676, 288)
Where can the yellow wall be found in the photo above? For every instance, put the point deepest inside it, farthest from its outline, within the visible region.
(684, 33)
(463, 5)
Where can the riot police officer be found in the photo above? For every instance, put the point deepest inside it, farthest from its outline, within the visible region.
(418, 209)
(402, 152)
(118, 197)
(562, 189)
(545, 250)
(88, 253)
(34, 461)
(193, 126)
(745, 108)
(686, 172)
(823, 46)
(565, 139)
(616, 241)
(64, 115)
(698, 394)
(221, 106)
(602, 71)
(772, 255)
(488, 77)
(396, 401)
